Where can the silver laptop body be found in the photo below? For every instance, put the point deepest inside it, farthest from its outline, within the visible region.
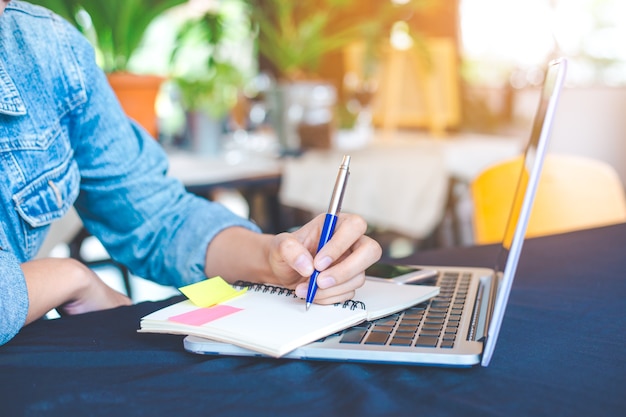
(460, 326)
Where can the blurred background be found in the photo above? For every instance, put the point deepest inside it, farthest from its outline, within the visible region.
(426, 94)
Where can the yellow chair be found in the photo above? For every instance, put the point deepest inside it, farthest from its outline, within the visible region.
(574, 193)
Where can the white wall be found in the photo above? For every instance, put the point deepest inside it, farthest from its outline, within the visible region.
(589, 121)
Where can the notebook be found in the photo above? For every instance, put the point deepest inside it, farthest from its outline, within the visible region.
(460, 326)
(273, 321)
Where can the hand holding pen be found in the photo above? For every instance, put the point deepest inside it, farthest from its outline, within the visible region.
(330, 221)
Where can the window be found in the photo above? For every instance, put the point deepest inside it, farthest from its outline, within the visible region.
(504, 38)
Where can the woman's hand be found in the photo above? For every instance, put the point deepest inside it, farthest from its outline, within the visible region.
(68, 285)
(288, 259)
(341, 261)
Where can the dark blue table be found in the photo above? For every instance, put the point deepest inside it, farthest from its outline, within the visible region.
(561, 352)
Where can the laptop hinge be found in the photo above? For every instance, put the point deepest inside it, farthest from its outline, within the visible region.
(493, 292)
(483, 308)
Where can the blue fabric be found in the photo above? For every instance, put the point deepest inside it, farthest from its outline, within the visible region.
(64, 140)
(556, 356)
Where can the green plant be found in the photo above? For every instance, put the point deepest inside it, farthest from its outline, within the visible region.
(115, 27)
(294, 35)
(204, 66)
(214, 94)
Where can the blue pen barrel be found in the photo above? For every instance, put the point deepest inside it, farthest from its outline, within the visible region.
(327, 232)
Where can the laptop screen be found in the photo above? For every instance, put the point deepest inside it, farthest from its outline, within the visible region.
(524, 196)
(539, 136)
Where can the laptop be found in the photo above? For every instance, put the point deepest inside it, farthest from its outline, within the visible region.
(460, 326)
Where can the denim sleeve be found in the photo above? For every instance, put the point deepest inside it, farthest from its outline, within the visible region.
(13, 297)
(145, 219)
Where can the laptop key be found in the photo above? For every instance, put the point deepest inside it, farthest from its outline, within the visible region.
(426, 332)
(400, 341)
(409, 322)
(408, 326)
(353, 336)
(426, 341)
(377, 338)
(382, 328)
(405, 333)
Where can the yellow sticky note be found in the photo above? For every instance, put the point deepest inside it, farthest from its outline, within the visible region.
(210, 292)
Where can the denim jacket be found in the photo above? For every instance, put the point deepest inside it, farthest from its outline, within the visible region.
(64, 140)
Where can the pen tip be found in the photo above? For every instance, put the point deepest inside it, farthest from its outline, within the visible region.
(308, 305)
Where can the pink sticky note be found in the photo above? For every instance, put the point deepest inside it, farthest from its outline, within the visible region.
(202, 316)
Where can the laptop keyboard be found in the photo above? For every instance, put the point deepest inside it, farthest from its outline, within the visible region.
(432, 324)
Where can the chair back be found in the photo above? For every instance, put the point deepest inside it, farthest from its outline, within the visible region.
(574, 193)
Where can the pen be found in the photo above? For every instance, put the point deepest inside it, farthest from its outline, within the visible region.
(330, 221)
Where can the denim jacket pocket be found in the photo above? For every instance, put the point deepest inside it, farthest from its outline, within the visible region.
(50, 196)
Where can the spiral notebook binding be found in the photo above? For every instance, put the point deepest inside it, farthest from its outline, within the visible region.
(265, 288)
(352, 304)
(275, 289)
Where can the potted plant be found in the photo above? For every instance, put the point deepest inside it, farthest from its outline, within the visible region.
(209, 67)
(294, 37)
(116, 28)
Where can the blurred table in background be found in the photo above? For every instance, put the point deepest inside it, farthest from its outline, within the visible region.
(255, 176)
(200, 172)
(396, 187)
